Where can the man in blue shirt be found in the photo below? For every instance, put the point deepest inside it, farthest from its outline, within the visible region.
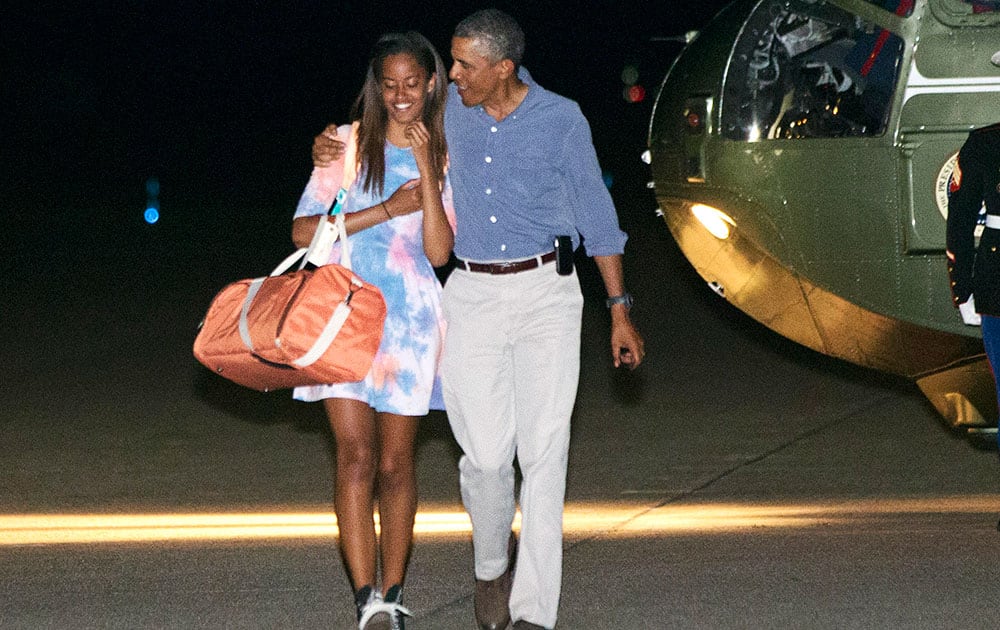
(524, 172)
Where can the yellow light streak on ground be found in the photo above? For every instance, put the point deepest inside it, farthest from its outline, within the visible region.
(109, 528)
(707, 518)
(581, 519)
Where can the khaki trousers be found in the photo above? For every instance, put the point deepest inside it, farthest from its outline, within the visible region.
(510, 371)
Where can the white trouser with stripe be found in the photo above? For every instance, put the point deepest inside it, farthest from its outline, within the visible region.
(510, 371)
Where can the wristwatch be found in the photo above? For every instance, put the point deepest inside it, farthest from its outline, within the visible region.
(624, 298)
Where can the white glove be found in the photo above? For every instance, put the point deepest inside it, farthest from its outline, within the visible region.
(969, 314)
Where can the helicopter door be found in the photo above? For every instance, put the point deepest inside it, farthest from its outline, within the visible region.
(951, 87)
(928, 165)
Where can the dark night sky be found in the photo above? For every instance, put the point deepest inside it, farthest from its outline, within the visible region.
(212, 95)
(220, 100)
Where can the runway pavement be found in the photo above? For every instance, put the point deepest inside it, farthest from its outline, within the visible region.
(735, 481)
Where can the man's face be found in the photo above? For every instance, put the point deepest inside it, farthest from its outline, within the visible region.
(477, 78)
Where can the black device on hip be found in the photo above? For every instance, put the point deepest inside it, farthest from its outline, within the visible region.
(564, 255)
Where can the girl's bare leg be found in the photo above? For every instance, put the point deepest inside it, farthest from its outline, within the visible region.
(397, 493)
(355, 433)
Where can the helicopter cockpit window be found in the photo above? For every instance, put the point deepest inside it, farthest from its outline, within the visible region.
(808, 69)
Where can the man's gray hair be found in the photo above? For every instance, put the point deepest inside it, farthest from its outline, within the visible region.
(497, 35)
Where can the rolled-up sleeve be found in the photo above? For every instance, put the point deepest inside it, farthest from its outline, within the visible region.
(593, 210)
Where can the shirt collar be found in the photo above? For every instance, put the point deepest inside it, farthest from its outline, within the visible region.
(533, 91)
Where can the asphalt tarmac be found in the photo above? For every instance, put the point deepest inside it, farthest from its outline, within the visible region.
(735, 480)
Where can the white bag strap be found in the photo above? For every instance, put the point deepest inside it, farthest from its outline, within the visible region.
(318, 251)
(331, 330)
(326, 234)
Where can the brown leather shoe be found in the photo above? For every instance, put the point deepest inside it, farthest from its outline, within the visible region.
(492, 599)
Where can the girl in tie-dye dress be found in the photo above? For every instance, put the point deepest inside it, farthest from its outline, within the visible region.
(403, 379)
(400, 222)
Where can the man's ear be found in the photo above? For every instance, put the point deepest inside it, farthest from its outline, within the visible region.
(506, 68)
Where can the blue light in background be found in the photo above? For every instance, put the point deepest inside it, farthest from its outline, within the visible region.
(153, 187)
(152, 213)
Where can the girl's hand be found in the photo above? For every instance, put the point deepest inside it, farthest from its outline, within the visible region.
(406, 199)
(419, 139)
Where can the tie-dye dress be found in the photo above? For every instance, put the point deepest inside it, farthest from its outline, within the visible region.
(404, 376)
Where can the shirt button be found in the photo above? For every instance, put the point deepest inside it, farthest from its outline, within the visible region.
(493, 219)
(493, 129)
(503, 248)
(489, 191)
(488, 159)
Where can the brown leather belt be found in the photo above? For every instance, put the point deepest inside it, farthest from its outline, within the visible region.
(512, 266)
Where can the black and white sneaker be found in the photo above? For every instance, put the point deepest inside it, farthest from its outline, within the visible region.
(382, 614)
(366, 599)
(394, 598)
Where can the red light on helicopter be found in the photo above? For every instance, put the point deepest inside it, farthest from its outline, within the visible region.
(634, 93)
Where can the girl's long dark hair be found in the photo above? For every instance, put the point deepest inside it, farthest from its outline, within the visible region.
(370, 110)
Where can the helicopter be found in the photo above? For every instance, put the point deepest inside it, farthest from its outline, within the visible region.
(802, 154)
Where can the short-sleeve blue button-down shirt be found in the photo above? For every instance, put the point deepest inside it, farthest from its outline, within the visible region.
(520, 182)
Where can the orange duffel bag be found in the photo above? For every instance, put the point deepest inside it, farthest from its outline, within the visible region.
(307, 327)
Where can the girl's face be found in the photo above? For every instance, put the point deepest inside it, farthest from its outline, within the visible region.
(405, 86)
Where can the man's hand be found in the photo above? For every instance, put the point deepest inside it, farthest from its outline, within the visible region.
(627, 345)
(327, 149)
(968, 312)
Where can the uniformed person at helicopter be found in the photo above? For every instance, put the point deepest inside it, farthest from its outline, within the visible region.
(975, 271)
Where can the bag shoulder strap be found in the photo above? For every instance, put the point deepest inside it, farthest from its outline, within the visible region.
(349, 135)
(328, 233)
